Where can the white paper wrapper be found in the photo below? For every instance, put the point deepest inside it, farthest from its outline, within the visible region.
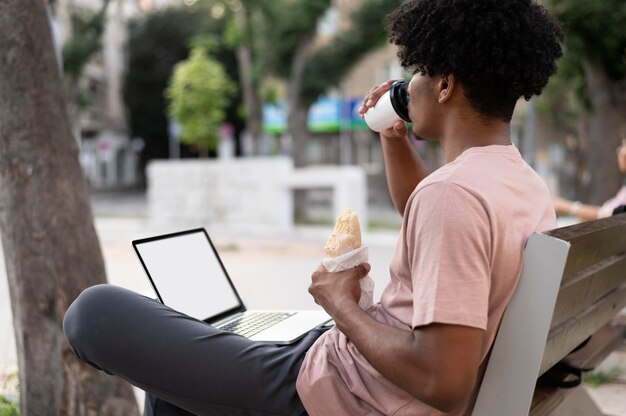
(352, 259)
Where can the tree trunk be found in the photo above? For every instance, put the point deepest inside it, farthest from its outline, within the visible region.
(608, 99)
(50, 245)
(298, 111)
(249, 86)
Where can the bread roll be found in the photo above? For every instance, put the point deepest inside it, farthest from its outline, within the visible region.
(346, 236)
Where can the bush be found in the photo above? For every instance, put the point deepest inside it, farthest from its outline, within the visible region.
(8, 408)
(198, 94)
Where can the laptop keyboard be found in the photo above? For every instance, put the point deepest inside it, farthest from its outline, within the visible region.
(255, 322)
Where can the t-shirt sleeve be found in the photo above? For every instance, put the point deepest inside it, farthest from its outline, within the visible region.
(449, 251)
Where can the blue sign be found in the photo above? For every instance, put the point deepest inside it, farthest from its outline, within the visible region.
(274, 117)
(355, 121)
(327, 115)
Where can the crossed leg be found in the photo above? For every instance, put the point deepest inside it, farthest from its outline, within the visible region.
(182, 361)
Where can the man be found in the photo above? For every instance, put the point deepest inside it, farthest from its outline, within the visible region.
(420, 351)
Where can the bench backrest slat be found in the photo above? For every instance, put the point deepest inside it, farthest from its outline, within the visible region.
(592, 242)
(564, 338)
(589, 285)
(573, 282)
(592, 286)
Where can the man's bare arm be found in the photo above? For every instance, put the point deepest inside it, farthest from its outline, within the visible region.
(403, 167)
(437, 364)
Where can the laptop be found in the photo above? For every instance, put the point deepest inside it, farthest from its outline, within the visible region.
(188, 275)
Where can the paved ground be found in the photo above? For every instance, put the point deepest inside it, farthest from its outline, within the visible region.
(271, 270)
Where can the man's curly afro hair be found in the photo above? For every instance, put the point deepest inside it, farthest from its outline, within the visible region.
(499, 50)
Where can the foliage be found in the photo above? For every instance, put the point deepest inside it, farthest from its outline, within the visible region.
(8, 408)
(602, 377)
(595, 31)
(157, 41)
(329, 64)
(595, 35)
(284, 24)
(588, 95)
(85, 42)
(198, 94)
(281, 25)
(87, 28)
(565, 96)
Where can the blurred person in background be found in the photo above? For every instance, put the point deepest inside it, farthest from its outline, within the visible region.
(586, 212)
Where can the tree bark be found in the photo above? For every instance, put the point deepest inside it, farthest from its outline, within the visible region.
(608, 99)
(297, 111)
(249, 86)
(50, 245)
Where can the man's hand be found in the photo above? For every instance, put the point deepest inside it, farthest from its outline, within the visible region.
(436, 363)
(399, 129)
(336, 290)
(403, 167)
(372, 96)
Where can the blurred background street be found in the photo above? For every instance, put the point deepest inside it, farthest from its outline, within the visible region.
(273, 147)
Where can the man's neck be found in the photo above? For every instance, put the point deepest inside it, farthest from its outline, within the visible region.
(461, 133)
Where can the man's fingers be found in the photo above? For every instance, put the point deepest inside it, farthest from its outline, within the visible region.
(376, 92)
(359, 271)
(372, 96)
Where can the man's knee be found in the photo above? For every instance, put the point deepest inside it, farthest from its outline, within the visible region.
(84, 320)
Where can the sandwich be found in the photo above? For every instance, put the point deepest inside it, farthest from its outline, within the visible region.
(346, 235)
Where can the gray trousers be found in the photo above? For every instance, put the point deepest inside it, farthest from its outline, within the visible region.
(185, 366)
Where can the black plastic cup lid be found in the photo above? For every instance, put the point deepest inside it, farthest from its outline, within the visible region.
(400, 99)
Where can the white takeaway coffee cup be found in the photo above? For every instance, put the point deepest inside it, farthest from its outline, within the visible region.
(390, 107)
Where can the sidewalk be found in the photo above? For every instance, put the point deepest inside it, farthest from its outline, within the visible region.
(271, 270)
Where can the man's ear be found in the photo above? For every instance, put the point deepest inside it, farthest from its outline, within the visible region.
(446, 87)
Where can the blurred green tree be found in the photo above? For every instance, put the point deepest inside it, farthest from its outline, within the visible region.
(198, 93)
(328, 65)
(156, 42)
(86, 39)
(282, 37)
(239, 35)
(269, 38)
(7, 408)
(291, 33)
(589, 91)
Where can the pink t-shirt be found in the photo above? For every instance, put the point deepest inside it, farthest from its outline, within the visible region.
(457, 261)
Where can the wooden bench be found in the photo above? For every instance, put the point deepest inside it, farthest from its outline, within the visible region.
(573, 284)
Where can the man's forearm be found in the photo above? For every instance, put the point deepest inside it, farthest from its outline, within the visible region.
(437, 364)
(391, 351)
(403, 167)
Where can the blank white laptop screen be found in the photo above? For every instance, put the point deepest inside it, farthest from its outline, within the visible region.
(188, 275)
